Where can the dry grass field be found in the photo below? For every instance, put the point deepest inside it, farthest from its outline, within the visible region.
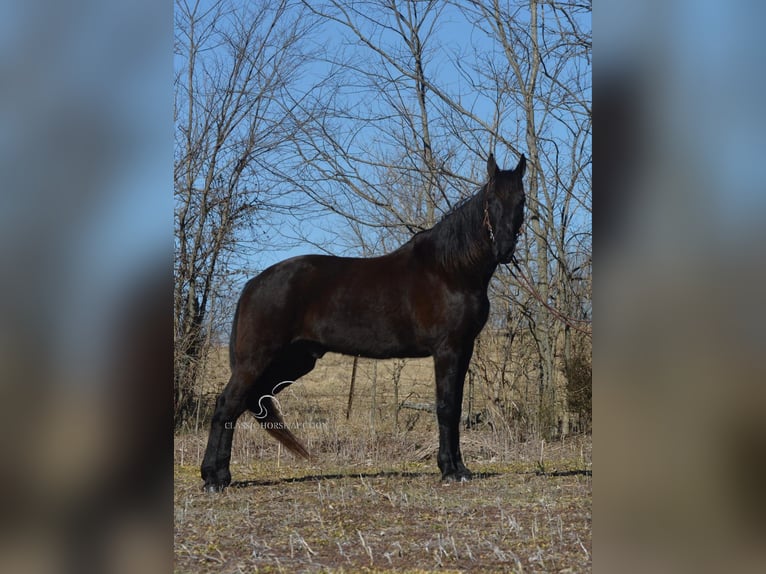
(370, 500)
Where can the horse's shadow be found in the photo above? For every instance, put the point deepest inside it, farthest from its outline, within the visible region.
(553, 473)
(336, 476)
(389, 473)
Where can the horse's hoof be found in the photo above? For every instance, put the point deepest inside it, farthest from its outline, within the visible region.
(213, 488)
(458, 476)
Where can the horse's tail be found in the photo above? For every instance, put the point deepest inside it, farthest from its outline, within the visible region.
(276, 427)
(289, 440)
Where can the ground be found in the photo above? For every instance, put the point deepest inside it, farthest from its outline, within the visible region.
(371, 499)
(302, 517)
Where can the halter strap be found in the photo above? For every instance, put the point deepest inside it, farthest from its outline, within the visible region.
(486, 222)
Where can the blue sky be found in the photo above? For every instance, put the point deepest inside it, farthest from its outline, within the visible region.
(454, 40)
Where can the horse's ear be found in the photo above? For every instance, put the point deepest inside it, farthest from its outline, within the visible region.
(522, 166)
(492, 168)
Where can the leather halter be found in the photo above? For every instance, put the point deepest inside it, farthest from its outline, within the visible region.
(486, 222)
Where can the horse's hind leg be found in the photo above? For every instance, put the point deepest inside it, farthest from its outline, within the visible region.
(231, 403)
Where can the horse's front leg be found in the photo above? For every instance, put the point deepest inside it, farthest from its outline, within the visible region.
(451, 365)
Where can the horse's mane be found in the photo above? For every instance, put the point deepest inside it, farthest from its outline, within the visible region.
(457, 237)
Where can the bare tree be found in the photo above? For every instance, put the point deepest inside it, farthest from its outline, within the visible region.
(395, 141)
(386, 131)
(544, 73)
(234, 64)
(393, 148)
(377, 154)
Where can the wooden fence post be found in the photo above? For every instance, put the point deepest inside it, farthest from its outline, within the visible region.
(351, 389)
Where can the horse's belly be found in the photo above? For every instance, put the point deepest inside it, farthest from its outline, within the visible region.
(369, 336)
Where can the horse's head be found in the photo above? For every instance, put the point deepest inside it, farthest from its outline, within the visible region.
(504, 207)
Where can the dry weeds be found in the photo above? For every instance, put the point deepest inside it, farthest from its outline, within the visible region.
(371, 499)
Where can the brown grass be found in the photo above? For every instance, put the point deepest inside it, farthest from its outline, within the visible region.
(370, 499)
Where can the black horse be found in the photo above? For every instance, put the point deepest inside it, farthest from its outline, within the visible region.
(427, 298)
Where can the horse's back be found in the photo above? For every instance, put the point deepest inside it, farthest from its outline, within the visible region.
(347, 305)
(276, 302)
